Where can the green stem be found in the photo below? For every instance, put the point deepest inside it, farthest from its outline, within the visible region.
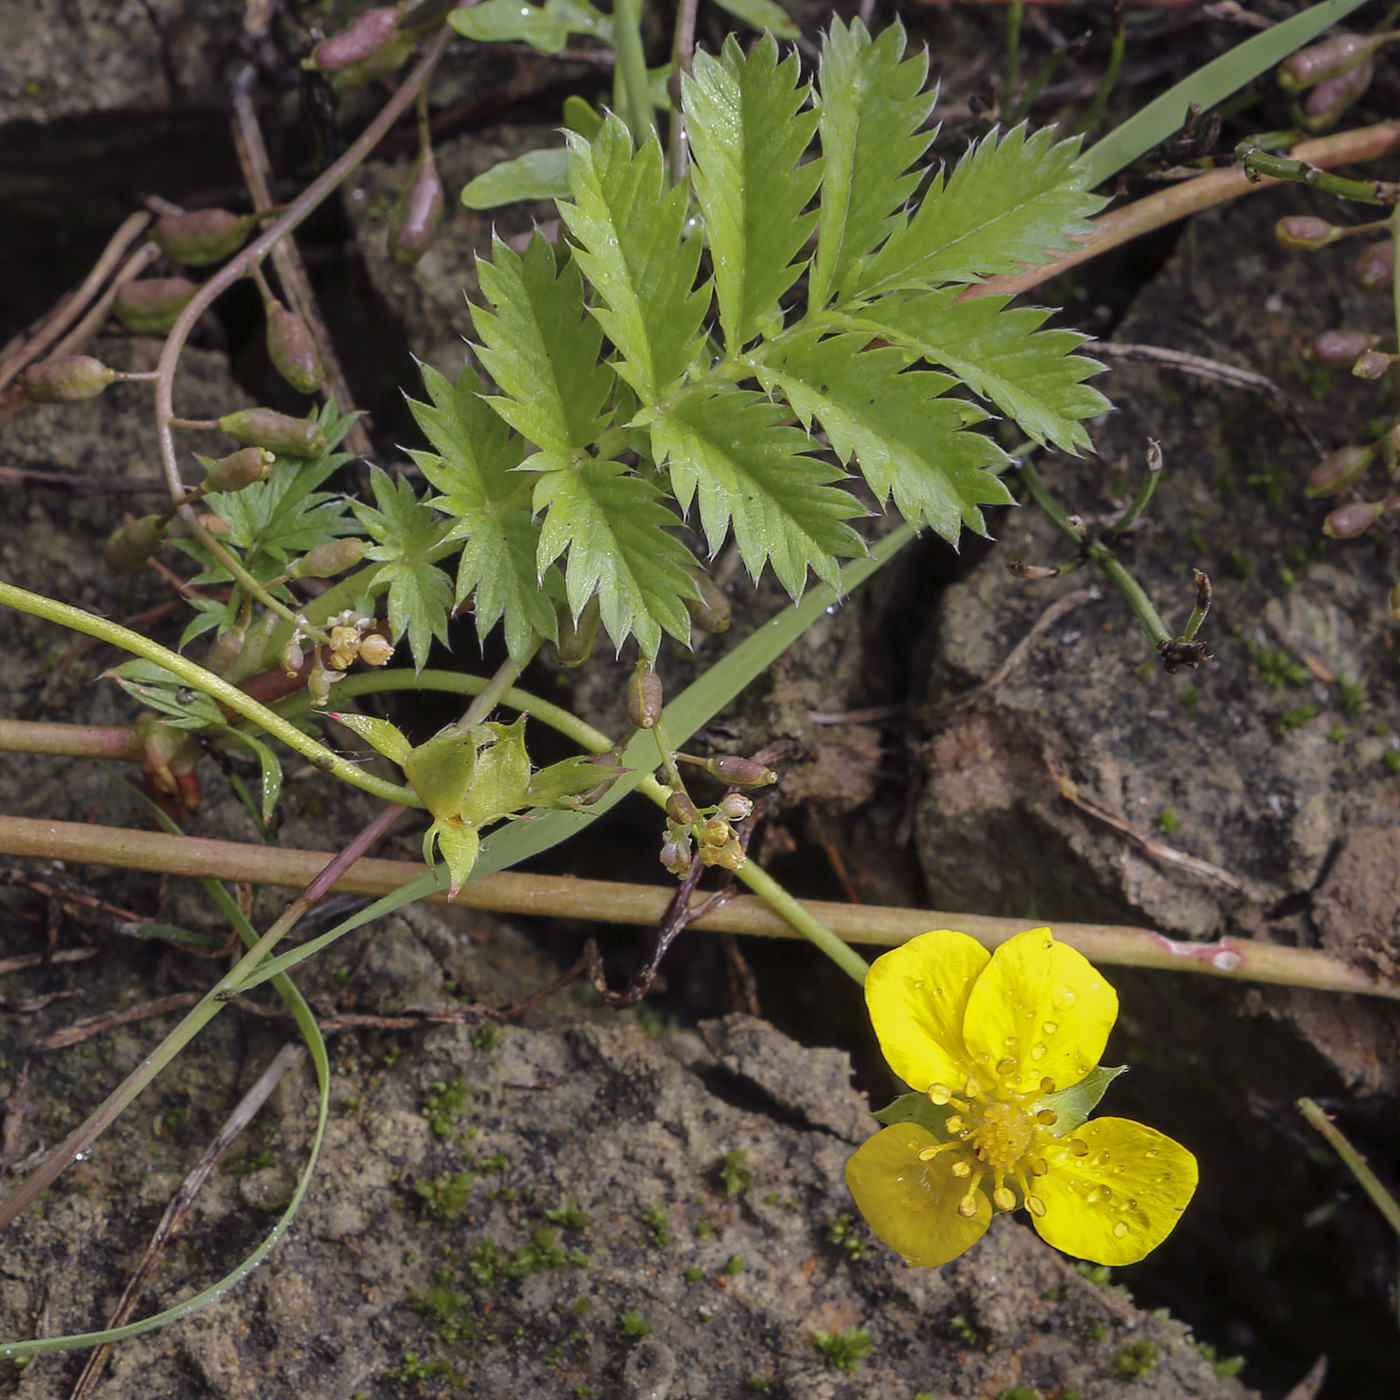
(1356, 1163)
(783, 904)
(633, 90)
(491, 694)
(1110, 75)
(214, 686)
(1260, 163)
(1014, 12)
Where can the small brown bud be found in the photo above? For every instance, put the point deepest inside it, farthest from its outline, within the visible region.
(202, 235)
(1346, 522)
(1327, 103)
(239, 469)
(66, 379)
(1017, 569)
(376, 650)
(1338, 470)
(681, 809)
(1340, 349)
(151, 305)
(292, 350)
(644, 697)
(1306, 232)
(130, 545)
(365, 35)
(736, 807)
(333, 557)
(293, 658)
(1371, 365)
(419, 211)
(1332, 58)
(1374, 266)
(287, 436)
(575, 644)
(740, 772)
(711, 611)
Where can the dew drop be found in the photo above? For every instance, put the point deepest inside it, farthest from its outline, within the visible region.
(1050, 1027)
(1119, 1169)
(919, 983)
(1152, 1152)
(1119, 1230)
(831, 611)
(1038, 1052)
(1049, 943)
(1101, 1160)
(1062, 998)
(1011, 1040)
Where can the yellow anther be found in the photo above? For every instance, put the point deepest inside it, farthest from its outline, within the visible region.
(1003, 1198)
(927, 1154)
(939, 1094)
(961, 1169)
(967, 1207)
(953, 1123)
(1047, 1116)
(1035, 1205)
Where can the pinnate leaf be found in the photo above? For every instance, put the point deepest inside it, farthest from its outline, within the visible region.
(1032, 375)
(873, 110)
(542, 174)
(614, 530)
(910, 442)
(628, 225)
(541, 348)
(747, 133)
(733, 450)
(1012, 200)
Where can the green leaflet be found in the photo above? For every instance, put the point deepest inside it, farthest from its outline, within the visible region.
(535, 175)
(762, 14)
(733, 451)
(547, 27)
(873, 106)
(1012, 200)
(1032, 375)
(403, 531)
(747, 133)
(628, 226)
(541, 348)
(614, 529)
(909, 442)
(489, 507)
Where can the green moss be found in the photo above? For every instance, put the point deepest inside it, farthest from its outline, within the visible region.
(496, 1162)
(1279, 669)
(414, 1368)
(693, 1275)
(632, 1324)
(734, 1265)
(704, 1227)
(845, 1230)
(1353, 696)
(568, 1215)
(1190, 698)
(444, 1198)
(1169, 821)
(1391, 759)
(242, 1163)
(443, 1102)
(450, 1310)
(756, 1385)
(1222, 1366)
(1292, 719)
(844, 1350)
(733, 1175)
(1136, 1359)
(487, 1036)
(1095, 1273)
(657, 1223)
(1338, 734)
(963, 1330)
(1238, 564)
(1019, 1392)
(581, 1306)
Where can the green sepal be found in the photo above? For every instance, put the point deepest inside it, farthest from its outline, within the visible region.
(459, 842)
(561, 784)
(386, 738)
(916, 1108)
(440, 771)
(1075, 1104)
(501, 780)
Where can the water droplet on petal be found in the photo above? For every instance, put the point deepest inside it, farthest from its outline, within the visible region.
(1101, 1160)
(1050, 1027)
(1119, 1230)
(1038, 1052)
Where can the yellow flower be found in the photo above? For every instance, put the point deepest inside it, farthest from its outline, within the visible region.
(1003, 1048)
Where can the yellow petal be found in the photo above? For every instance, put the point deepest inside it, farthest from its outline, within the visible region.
(1121, 1199)
(913, 1205)
(1043, 1005)
(917, 995)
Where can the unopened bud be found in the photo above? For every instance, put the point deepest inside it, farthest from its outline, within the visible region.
(1371, 365)
(419, 211)
(1327, 103)
(575, 644)
(1306, 232)
(239, 469)
(278, 432)
(681, 809)
(326, 560)
(1338, 470)
(225, 651)
(740, 772)
(1346, 522)
(1389, 447)
(376, 650)
(675, 856)
(151, 305)
(130, 545)
(736, 807)
(202, 235)
(1374, 267)
(1018, 569)
(293, 658)
(711, 611)
(644, 697)
(66, 379)
(365, 35)
(715, 832)
(1332, 58)
(1340, 349)
(292, 350)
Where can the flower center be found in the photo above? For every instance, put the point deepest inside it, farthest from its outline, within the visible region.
(1003, 1136)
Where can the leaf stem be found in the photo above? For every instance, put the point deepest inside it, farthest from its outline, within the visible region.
(633, 87)
(1355, 1162)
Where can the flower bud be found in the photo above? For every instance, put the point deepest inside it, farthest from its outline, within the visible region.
(1327, 103)
(716, 832)
(419, 211)
(1338, 470)
(130, 545)
(364, 36)
(1346, 522)
(225, 651)
(1305, 232)
(1018, 568)
(383, 61)
(326, 560)
(712, 610)
(1340, 349)
(239, 469)
(575, 644)
(202, 235)
(66, 379)
(681, 809)
(151, 305)
(293, 658)
(1332, 58)
(740, 772)
(1371, 365)
(376, 650)
(1375, 266)
(292, 350)
(287, 436)
(736, 807)
(168, 758)
(644, 697)
(675, 856)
